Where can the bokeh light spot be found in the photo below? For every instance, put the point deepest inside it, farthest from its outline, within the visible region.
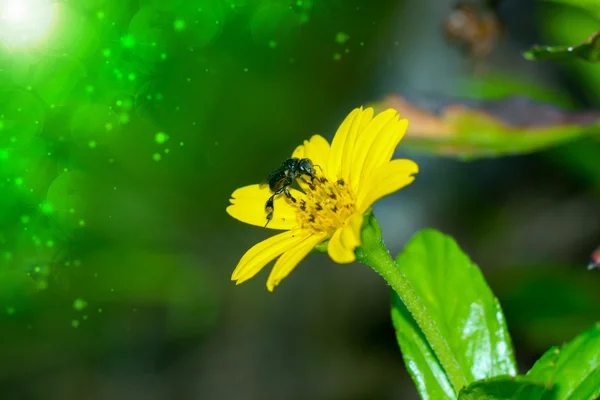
(46, 208)
(79, 304)
(341, 37)
(179, 24)
(128, 41)
(25, 23)
(161, 137)
(156, 157)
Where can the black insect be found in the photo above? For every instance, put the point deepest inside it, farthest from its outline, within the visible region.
(595, 260)
(284, 176)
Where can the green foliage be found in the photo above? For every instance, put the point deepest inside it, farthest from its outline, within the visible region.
(588, 50)
(126, 127)
(568, 25)
(464, 309)
(420, 360)
(506, 388)
(573, 370)
(470, 318)
(591, 5)
(470, 129)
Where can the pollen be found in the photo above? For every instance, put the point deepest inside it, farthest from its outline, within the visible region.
(327, 205)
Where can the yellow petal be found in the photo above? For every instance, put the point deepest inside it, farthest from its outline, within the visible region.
(299, 152)
(345, 240)
(317, 149)
(383, 125)
(290, 259)
(383, 147)
(266, 251)
(356, 128)
(338, 145)
(386, 179)
(248, 205)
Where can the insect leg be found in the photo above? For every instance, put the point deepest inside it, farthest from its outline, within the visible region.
(288, 194)
(269, 205)
(269, 208)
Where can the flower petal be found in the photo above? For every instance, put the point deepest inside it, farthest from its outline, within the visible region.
(266, 251)
(317, 149)
(345, 240)
(386, 179)
(299, 152)
(383, 147)
(290, 259)
(338, 145)
(356, 128)
(248, 205)
(374, 143)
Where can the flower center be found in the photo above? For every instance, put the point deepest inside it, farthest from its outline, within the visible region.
(327, 206)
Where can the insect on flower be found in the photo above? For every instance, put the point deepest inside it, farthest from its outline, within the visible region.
(284, 176)
(595, 260)
(355, 171)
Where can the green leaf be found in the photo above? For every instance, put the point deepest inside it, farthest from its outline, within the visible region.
(466, 312)
(469, 129)
(592, 6)
(572, 25)
(421, 362)
(574, 370)
(505, 388)
(588, 50)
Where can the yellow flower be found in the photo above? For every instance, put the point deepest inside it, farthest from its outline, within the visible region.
(355, 172)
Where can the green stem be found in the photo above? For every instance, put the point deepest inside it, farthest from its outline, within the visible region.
(374, 253)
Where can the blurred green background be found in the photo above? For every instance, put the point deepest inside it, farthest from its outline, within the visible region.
(125, 126)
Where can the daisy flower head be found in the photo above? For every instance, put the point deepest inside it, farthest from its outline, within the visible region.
(353, 172)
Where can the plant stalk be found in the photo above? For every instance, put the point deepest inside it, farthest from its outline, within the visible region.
(374, 253)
